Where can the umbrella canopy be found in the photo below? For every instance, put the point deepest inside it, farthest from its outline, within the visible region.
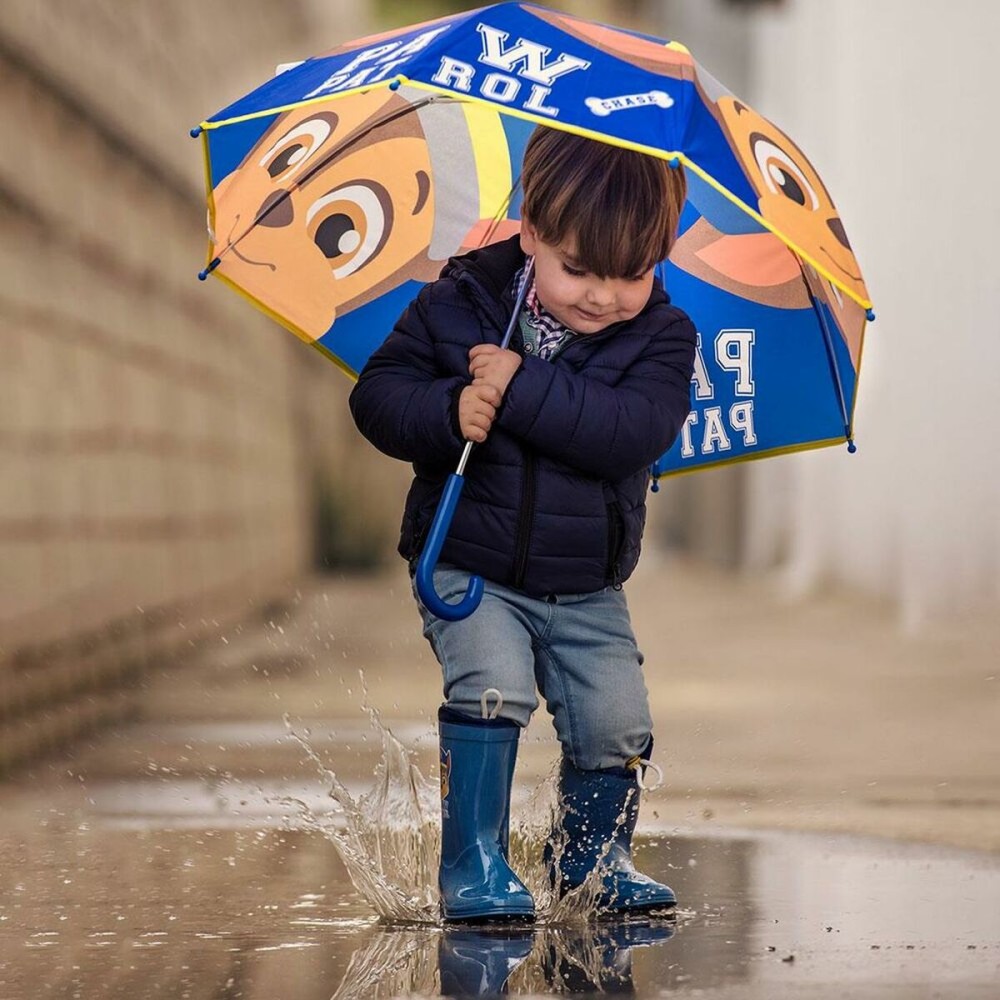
(341, 185)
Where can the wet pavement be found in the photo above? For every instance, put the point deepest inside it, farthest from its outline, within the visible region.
(208, 887)
(194, 855)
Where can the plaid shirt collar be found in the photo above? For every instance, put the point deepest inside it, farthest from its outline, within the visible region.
(551, 333)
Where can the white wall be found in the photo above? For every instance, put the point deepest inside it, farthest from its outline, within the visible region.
(894, 103)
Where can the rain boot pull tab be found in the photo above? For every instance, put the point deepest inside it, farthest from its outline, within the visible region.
(637, 764)
(484, 703)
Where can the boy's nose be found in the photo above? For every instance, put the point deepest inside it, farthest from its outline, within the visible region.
(600, 294)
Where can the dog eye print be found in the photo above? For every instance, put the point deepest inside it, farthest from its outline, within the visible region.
(291, 153)
(350, 225)
(327, 207)
(780, 173)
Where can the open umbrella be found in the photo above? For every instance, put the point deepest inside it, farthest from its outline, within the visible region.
(341, 185)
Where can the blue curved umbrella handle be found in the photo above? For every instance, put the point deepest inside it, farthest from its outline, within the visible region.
(429, 557)
(446, 510)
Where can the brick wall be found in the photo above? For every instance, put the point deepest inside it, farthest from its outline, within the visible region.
(155, 473)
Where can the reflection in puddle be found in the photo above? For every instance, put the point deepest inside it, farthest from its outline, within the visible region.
(487, 961)
(392, 962)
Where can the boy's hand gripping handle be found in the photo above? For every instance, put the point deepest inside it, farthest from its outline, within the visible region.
(449, 501)
(429, 557)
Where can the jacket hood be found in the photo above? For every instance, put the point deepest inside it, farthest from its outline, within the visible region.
(493, 265)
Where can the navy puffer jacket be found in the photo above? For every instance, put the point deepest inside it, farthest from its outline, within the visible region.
(554, 500)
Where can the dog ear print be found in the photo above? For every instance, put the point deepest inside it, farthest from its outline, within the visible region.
(488, 231)
(755, 266)
(755, 259)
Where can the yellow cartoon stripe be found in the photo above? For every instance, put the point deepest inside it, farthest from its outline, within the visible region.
(209, 195)
(489, 147)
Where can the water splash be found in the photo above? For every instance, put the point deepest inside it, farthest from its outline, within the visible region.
(389, 838)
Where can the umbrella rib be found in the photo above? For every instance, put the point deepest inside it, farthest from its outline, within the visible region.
(834, 367)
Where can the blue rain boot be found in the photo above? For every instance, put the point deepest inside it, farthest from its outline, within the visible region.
(478, 963)
(477, 766)
(599, 810)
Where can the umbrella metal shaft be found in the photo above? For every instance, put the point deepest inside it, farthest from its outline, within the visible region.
(525, 285)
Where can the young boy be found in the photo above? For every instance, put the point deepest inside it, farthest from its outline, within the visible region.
(595, 387)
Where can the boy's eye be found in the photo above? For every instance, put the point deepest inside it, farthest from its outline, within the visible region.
(572, 270)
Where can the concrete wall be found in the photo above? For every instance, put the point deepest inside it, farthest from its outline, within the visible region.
(891, 100)
(155, 475)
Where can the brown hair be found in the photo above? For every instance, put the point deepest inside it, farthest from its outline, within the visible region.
(622, 207)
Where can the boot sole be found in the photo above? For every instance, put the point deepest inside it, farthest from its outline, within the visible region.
(488, 918)
(652, 909)
(667, 911)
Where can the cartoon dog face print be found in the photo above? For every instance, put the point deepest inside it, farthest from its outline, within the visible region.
(326, 210)
(794, 200)
(792, 197)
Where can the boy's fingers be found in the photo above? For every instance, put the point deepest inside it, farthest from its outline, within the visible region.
(482, 390)
(481, 349)
(477, 427)
(487, 392)
(477, 411)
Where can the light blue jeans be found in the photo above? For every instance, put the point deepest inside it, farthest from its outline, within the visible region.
(577, 649)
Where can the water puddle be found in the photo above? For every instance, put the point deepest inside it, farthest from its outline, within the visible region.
(326, 888)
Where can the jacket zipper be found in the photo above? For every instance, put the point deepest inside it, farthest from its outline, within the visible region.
(616, 535)
(524, 519)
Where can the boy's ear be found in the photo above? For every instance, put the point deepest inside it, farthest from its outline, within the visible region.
(529, 238)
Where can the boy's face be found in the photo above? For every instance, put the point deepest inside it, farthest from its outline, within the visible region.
(577, 298)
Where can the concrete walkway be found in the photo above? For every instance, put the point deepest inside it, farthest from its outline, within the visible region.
(156, 860)
(815, 715)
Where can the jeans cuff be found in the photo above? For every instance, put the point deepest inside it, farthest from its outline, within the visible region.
(456, 718)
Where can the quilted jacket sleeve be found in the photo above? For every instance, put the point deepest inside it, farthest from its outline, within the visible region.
(608, 432)
(401, 403)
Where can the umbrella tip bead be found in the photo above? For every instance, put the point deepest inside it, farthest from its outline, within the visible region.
(870, 315)
(395, 84)
(851, 446)
(202, 275)
(196, 131)
(674, 161)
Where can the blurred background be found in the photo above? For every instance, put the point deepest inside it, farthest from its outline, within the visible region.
(172, 462)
